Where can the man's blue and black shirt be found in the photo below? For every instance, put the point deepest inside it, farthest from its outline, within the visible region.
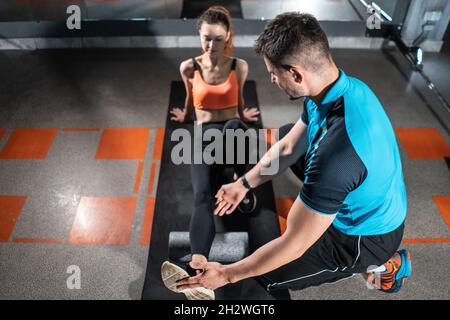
(352, 166)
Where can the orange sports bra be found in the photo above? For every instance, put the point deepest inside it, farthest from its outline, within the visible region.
(215, 97)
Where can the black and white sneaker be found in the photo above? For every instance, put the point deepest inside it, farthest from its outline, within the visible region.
(171, 273)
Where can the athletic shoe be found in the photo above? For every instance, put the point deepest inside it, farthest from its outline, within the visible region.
(171, 273)
(398, 269)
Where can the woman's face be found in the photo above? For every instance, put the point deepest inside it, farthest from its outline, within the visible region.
(213, 38)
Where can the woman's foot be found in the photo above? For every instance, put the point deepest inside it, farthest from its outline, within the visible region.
(171, 273)
(197, 261)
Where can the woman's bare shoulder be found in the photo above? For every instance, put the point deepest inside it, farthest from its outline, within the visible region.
(241, 66)
(187, 68)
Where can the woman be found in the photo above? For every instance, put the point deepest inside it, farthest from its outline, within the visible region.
(214, 83)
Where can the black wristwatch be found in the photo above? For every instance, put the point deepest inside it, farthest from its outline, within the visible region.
(245, 182)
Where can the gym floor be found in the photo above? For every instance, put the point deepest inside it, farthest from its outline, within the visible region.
(80, 149)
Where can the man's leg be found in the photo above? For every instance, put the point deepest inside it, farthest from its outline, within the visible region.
(334, 257)
(330, 259)
(395, 265)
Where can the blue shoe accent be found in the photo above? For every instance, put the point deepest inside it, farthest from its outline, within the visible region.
(405, 268)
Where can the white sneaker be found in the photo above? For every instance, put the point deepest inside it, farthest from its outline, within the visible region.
(171, 273)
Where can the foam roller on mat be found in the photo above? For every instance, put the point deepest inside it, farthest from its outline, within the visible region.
(227, 247)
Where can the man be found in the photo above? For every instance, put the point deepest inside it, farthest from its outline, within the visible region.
(349, 215)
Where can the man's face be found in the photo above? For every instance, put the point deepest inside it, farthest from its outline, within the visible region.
(288, 81)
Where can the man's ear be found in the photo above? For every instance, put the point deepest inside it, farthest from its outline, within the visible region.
(296, 74)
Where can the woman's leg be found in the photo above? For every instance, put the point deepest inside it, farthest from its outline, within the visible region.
(202, 228)
(235, 124)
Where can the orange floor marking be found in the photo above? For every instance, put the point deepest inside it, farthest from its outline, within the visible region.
(2, 132)
(147, 224)
(159, 142)
(152, 178)
(38, 240)
(268, 138)
(271, 137)
(423, 143)
(10, 208)
(443, 205)
(427, 240)
(29, 144)
(138, 176)
(122, 144)
(282, 222)
(284, 204)
(103, 221)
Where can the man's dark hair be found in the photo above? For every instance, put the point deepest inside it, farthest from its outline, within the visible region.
(294, 34)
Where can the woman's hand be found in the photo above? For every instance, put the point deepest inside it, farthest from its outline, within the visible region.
(250, 114)
(178, 115)
(229, 196)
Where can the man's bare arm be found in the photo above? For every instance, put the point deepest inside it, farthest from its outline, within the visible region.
(304, 228)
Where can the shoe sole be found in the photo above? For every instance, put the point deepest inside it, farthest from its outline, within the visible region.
(171, 273)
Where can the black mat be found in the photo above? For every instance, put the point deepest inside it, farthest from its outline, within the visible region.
(174, 204)
(192, 9)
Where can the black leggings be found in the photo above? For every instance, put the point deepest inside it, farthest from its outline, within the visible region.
(205, 179)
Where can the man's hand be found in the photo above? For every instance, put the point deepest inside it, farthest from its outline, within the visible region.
(250, 114)
(213, 276)
(228, 197)
(178, 115)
